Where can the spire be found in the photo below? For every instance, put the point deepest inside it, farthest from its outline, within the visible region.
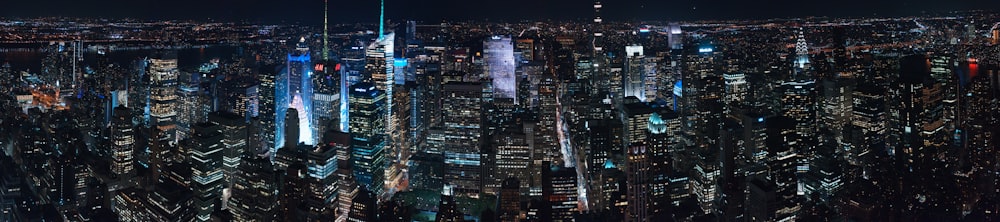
(801, 50)
(326, 30)
(381, 20)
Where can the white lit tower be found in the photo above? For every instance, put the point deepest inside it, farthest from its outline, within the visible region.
(163, 92)
(379, 67)
(801, 52)
(498, 53)
(123, 142)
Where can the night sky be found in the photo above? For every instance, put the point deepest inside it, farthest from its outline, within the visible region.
(347, 11)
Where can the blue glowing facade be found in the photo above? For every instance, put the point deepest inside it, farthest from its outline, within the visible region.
(300, 90)
(281, 101)
(345, 82)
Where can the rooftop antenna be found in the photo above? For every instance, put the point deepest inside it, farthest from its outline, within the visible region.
(326, 30)
(381, 20)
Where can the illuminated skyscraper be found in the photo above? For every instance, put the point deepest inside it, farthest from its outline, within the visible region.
(637, 173)
(163, 93)
(207, 173)
(463, 131)
(560, 191)
(300, 90)
(701, 113)
(498, 51)
(633, 80)
(798, 103)
(736, 91)
(234, 142)
(123, 142)
(189, 108)
(326, 98)
(399, 139)
(801, 51)
(513, 156)
(368, 106)
(254, 188)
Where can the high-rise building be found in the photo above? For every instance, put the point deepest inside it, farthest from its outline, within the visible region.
(368, 105)
(560, 191)
(207, 153)
(321, 164)
(163, 93)
(189, 105)
(637, 173)
(513, 156)
(255, 187)
(123, 143)
(546, 135)
(701, 113)
(300, 89)
(246, 102)
(634, 76)
(498, 53)
(736, 91)
(916, 116)
(509, 203)
(463, 132)
(268, 105)
(327, 89)
(868, 119)
(234, 141)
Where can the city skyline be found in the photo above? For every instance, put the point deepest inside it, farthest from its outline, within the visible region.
(512, 111)
(294, 11)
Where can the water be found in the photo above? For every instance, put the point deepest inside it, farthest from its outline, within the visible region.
(30, 57)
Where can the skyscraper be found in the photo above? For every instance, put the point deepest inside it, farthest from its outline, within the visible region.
(701, 113)
(560, 191)
(634, 75)
(189, 105)
(268, 115)
(736, 90)
(300, 90)
(462, 123)
(916, 116)
(207, 153)
(498, 51)
(254, 188)
(367, 125)
(123, 142)
(163, 93)
(234, 143)
(513, 158)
